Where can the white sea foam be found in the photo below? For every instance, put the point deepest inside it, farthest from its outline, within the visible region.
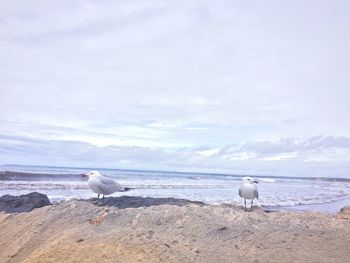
(266, 180)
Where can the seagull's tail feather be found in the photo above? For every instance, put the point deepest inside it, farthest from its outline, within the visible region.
(128, 189)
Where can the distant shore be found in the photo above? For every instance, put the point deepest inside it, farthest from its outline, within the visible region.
(136, 229)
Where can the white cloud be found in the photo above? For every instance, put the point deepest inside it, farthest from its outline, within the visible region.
(176, 75)
(292, 161)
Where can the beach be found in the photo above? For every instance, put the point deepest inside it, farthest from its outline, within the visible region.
(137, 229)
(328, 194)
(174, 131)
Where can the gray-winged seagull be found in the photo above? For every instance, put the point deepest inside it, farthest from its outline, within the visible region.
(103, 185)
(248, 190)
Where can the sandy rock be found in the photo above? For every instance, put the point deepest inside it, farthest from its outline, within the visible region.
(344, 213)
(178, 231)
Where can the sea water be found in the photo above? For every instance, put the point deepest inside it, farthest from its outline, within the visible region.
(276, 193)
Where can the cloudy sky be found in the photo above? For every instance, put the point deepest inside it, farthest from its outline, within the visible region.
(253, 87)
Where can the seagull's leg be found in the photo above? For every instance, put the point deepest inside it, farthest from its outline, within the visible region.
(245, 205)
(251, 205)
(98, 196)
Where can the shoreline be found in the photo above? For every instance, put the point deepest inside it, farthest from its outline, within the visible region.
(60, 185)
(327, 207)
(332, 207)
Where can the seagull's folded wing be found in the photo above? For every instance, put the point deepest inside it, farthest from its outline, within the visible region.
(256, 193)
(109, 185)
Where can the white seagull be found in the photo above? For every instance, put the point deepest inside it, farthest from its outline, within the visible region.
(248, 190)
(103, 185)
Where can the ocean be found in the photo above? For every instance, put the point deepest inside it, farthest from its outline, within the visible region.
(276, 192)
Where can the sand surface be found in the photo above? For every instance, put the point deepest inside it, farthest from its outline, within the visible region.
(151, 230)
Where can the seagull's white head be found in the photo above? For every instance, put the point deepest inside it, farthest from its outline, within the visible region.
(93, 174)
(249, 180)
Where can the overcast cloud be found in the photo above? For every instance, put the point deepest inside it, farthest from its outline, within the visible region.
(220, 86)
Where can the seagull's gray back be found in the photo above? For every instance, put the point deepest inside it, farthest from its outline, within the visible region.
(104, 185)
(109, 186)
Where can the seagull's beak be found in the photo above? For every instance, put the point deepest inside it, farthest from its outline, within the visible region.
(255, 182)
(84, 175)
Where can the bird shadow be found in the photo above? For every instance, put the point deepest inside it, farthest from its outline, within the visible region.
(123, 202)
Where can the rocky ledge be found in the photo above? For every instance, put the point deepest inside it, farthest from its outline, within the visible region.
(23, 203)
(136, 229)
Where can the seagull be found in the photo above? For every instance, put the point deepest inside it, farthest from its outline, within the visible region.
(103, 185)
(248, 190)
